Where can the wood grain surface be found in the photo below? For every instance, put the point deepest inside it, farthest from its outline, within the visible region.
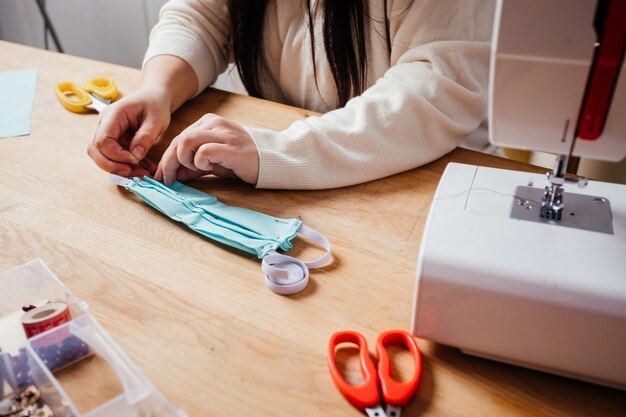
(196, 317)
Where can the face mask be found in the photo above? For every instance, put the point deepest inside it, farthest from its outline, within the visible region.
(244, 229)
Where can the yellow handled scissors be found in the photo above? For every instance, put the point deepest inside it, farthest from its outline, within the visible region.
(96, 94)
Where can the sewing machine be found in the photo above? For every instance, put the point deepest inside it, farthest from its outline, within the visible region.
(530, 269)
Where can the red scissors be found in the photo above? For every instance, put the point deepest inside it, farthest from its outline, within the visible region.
(366, 397)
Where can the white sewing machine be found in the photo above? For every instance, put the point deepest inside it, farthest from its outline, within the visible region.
(520, 268)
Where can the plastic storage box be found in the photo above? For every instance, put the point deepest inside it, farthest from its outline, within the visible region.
(69, 347)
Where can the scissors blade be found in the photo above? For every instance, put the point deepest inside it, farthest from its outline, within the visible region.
(97, 103)
(375, 411)
(106, 101)
(393, 411)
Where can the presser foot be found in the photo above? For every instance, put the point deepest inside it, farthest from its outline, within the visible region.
(584, 212)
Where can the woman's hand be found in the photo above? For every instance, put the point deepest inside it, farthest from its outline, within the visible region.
(128, 128)
(126, 131)
(212, 145)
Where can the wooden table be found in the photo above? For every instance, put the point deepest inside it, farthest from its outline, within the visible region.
(196, 317)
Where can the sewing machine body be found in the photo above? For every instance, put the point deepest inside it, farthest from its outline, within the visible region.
(534, 294)
(522, 268)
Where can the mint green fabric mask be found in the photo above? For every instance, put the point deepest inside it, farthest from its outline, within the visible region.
(250, 231)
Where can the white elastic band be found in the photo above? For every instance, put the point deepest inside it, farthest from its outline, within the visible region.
(287, 275)
(118, 180)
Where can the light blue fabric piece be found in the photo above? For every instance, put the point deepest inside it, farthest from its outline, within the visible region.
(17, 94)
(241, 228)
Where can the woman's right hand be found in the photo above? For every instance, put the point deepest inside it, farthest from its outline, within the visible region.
(127, 129)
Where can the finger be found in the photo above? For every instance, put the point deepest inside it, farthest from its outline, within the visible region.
(106, 164)
(169, 164)
(114, 126)
(190, 143)
(186, 150)
(210, 154)
(110, 148)
(206, 121)
(158, 175)
(145, 137)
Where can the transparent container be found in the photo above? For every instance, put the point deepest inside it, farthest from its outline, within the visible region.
(76, 357)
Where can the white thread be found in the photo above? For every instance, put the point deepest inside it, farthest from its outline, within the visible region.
(462, 193)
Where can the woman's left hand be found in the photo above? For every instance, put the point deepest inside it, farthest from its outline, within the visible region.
(212, 145)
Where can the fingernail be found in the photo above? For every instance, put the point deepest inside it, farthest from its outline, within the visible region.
(122, 173)
(138, 152)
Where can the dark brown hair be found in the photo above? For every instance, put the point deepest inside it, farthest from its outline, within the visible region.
(344, 42)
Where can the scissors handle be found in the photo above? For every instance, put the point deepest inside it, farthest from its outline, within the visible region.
(72, 97)
(102, 87)
(361, 396)
(397, 393)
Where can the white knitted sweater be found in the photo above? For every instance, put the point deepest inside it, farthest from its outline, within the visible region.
(421, 100)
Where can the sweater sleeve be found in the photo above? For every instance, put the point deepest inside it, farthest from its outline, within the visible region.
(196, 31)
(432, 96)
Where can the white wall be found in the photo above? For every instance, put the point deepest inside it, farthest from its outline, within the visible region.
(108, 30)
